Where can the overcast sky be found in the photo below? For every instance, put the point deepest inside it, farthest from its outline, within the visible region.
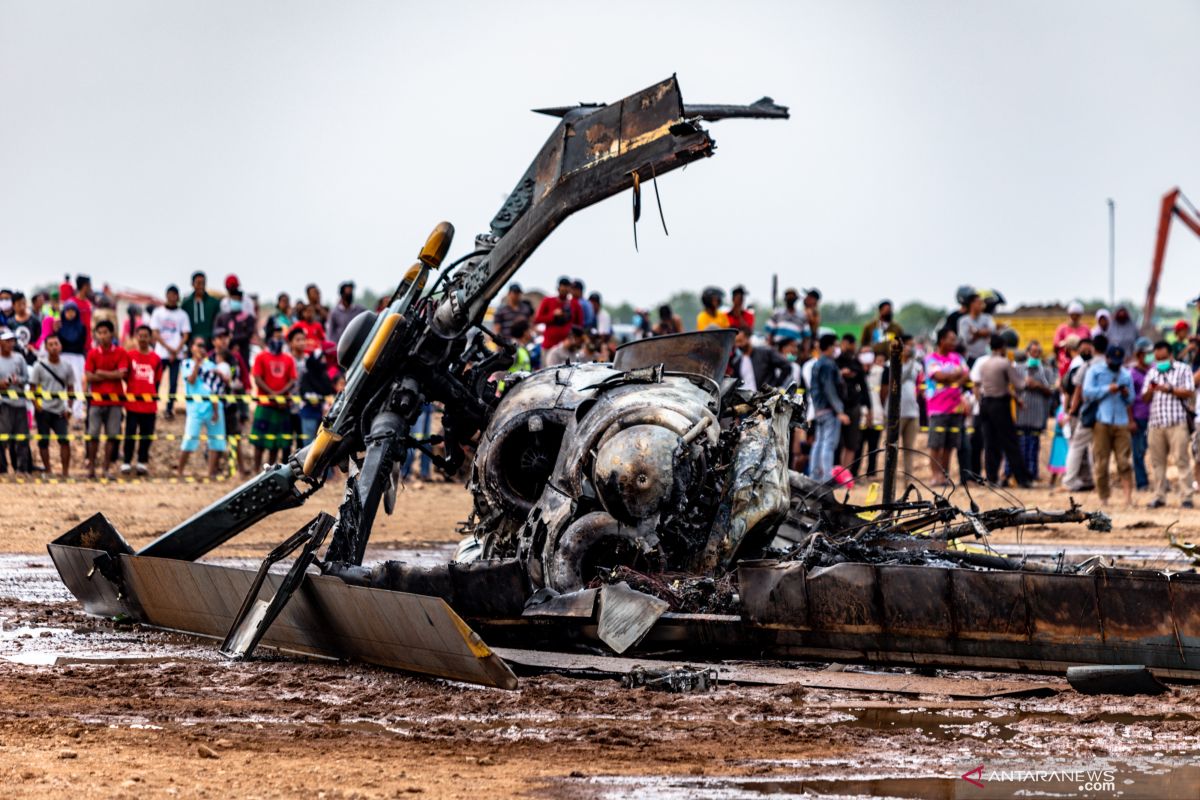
(931, 143)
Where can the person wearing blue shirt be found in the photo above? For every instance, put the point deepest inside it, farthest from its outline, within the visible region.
(1110, 387)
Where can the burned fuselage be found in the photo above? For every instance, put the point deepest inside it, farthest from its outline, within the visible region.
(653, 462)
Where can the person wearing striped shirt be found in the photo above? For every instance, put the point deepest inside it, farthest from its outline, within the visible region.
(1168, 387)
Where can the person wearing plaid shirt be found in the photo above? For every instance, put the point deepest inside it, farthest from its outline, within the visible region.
(1168, 387)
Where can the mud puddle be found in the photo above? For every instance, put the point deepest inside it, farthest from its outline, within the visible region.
(1129, 781)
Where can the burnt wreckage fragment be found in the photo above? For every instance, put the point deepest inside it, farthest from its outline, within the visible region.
(644, 504)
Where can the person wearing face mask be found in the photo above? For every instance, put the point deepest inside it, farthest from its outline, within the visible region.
(1109, 386)
(1169, 387)
(275, 375)
(1078, 475)
(1143, 359)
(879, 332)
(1036, 403)
(6, 306)
(239, 323)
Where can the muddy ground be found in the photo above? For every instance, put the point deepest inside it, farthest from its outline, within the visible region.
(179, 721)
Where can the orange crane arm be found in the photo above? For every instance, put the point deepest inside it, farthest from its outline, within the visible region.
(1170, 210)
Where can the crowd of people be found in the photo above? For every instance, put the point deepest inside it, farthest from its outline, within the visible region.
(1113, 398)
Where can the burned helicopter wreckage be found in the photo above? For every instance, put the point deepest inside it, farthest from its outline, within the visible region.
(645, 505)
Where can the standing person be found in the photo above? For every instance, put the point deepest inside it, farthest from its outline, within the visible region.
(314, 386)
(1123, 332)
(235, 374)
(912, 375)
(589, 314)
(873, 411)
(280, 316)
(74, 338)
(170, 325)
(1078, 476)
(345, 310)
(946, 373)
(829, 413)
(201, 307)
(1143, 357)
(129, 326)
(200, 383)
(512, 309)
(313, 330)
(558, 314)
(104, 371)
(275, 376)
(857, 400)
(711, 315)
(1169, 386)
(758, 367)
(668, 322)
(1110, 387)
(786, 322)
(14, 418)
(312, 297)
(1103, 323)
(1072, 327)
(997, 379)
(240, 325)
(812, 312)
(299, 350)
(603, 318)
(1036, 403)
(879, 332)
(25, 324)
(739, 315)
(52, 379)
(141, 403)
(82, 294)
(975, 329)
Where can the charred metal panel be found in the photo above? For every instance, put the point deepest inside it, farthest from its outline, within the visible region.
(1063, 608)
(326, 616)
(841, 599)
(700, 353)
(989, 605)
(916, 601)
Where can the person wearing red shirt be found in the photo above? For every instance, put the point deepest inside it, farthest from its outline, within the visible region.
(558, 314)
(314, 332)
(739, 315)
(274, 374)
(141, 400)
(104, 371)
(1073, 327)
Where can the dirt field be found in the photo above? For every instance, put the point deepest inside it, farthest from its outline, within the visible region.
(180, 721)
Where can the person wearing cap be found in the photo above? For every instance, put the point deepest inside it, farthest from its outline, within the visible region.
(171, 326)
(1169, 387)
(786, 322)
(998, 378)
(201, 307)
(711, 315)
(1074, 326)
(14, 418)
(512, 309)
(879, 332)
(1182, 346)
(975, 330)
(1139, 369)
(558, 314)
(1109, 387)
(239, 323)
(739, 315)
(344, 311)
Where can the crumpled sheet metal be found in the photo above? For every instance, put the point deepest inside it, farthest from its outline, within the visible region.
(922, 614)
(326, 617)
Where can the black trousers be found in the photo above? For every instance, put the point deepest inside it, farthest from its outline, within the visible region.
(139, 427)
(1000, 439)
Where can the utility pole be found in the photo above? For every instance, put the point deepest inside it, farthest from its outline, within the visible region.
(1112, 257)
